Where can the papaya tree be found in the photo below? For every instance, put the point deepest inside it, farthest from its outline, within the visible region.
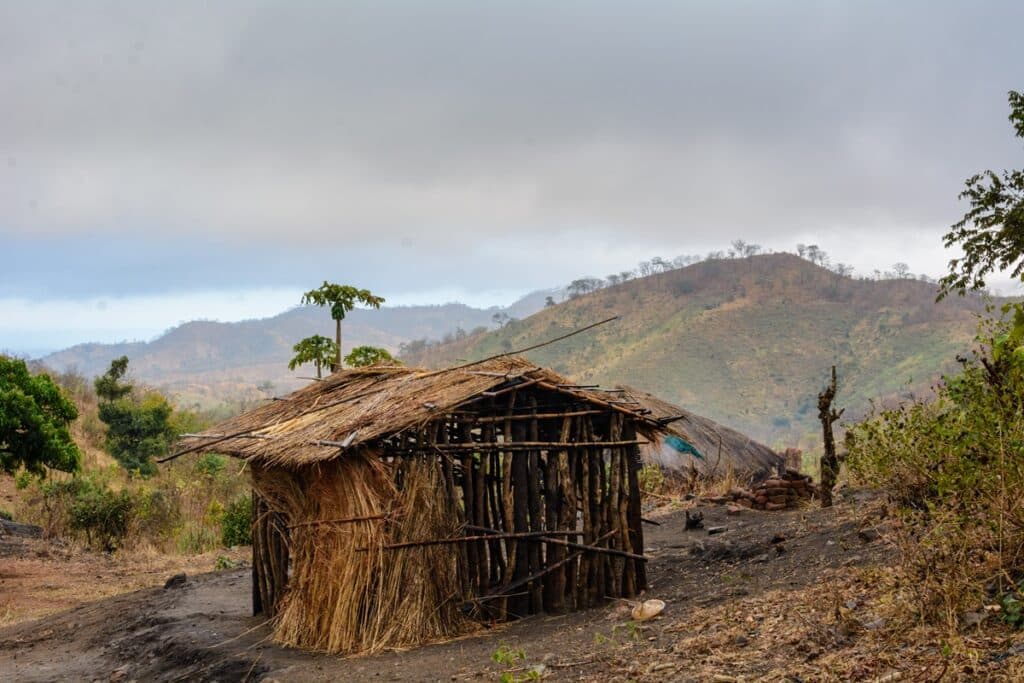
(340, 299)
(361, 356)
(318, 350)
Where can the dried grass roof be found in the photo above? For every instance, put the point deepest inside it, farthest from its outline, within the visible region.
(362, 405)
(738, 451)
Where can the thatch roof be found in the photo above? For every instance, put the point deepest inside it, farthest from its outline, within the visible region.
(363, 405)
(738, 451)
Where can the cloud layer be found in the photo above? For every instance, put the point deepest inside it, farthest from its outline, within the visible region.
(482, 145)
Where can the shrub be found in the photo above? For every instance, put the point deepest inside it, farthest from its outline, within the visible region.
(22, 480)
(954, 470)
(4, 514)
(683, 287)
(194, 539)
(102, 515)
(157, 512)
(236, 524)
(211, 464)
(651, 479)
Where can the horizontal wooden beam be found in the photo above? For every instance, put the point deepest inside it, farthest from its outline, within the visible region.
(539, 416)
(519, 445)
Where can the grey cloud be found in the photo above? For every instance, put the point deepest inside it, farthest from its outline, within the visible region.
(442, 124)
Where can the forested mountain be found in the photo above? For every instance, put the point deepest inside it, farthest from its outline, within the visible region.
(747, 341)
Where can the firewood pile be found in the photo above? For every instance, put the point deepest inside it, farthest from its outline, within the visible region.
(781, 492)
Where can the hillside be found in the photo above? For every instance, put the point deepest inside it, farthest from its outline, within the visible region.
(747, 342)
(205, 362)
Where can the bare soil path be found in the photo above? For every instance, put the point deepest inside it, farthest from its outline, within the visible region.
(203, 630)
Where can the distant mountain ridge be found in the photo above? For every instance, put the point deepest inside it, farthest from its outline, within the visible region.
(204, 361)
(747, 341)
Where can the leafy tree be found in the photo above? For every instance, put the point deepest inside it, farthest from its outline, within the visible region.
(34, 419)
(901, 269)
(549, 301)
(582, 286)
(109, 386)
(317, 350)
(500, 318)
(991, 233)
(816, 255)
(340, 299)
(138, 429)
(361, 356)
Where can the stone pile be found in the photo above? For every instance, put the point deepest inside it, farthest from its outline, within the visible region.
(784, 491)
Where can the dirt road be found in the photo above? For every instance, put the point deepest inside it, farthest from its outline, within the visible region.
(203, 630)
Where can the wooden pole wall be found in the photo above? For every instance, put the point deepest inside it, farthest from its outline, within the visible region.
(509, 485)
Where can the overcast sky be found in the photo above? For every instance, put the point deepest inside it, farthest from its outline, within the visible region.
(167, 161)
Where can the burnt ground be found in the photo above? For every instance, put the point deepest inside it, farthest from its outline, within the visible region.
(728, 586)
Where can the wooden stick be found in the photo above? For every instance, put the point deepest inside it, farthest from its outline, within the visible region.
(538, 416)
(521, 445)
(506, 390)
(533, 577)
(539, 537)
(516, 352)
(346, 520)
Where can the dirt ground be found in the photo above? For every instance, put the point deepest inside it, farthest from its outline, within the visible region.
(776, 596)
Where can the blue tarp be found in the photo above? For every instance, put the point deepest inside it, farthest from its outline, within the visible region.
(682, 446)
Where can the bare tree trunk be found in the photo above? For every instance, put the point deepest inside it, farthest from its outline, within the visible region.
(337, 339)
(829, 462)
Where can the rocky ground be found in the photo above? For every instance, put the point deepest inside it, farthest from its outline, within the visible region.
(787, 595)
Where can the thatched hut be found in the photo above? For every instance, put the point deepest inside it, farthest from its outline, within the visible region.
(700, 444)
(394, 506)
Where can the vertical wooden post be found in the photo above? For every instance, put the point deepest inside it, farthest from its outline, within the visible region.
(469, 509)
(555, 518)
(257, 602)
(535, 508)
(567, 477)
(614, 495)
(636, 531)
(520, 605)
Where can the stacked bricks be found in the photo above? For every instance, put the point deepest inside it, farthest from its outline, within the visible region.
(781, 492)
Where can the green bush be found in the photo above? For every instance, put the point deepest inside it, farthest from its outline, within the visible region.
(4, 514)
(86, 507)
(236, 524)
(22, 480)
(157, 512)
(954, 469)
(211, 465)
(103, 516)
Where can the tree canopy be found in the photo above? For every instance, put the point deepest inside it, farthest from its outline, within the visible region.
(341, 298)
(318, 350)
(138, 428)
(361, 356)
(109, 386)
(34, 420)
(991, 233)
